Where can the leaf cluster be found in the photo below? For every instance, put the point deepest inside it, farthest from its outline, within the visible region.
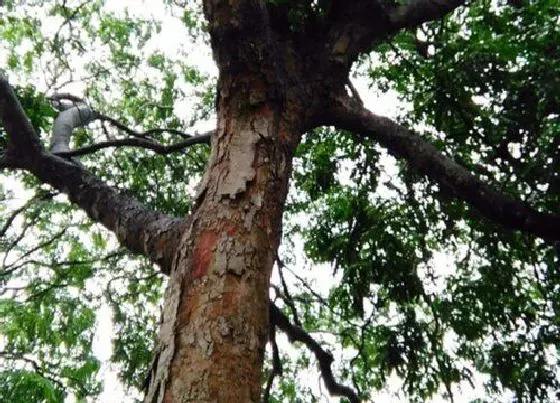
(424, 287)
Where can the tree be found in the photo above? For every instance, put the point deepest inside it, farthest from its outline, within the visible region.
(477, 180)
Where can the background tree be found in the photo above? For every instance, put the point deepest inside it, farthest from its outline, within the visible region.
(475, 181)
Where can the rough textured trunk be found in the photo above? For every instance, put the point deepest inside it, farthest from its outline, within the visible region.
(215, 320)
(212, 340)
(275, 82)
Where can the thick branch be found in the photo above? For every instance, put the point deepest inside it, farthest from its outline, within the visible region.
(357, 25)
(138, 142)
(324, 358)
(14, 121)
(70, 118)
(403, 143)
(138, 228)
(416, 12)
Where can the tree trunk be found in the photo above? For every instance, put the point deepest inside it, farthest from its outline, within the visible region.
(215, 321)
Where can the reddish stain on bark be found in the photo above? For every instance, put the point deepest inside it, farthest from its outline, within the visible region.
(231, 230)
(203, 253)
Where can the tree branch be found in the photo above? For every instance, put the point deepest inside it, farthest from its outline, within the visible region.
(9, 268)
(145, 134)
(288, 300)
(276, 363)
(347, 114)
(355, 26)
(416, 12)
(60, 96)
(138, 228)
(139, 142)
(45, 373)
(20, 147)
(42, 195)
(79, 114)
(324, 358)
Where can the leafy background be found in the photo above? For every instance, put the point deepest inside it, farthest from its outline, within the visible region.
(407, 287)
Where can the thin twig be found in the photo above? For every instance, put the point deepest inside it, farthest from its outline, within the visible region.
(276, 364)
(288, 297)
(354, 91)
(325, 359)
(139, 142)
(15, 213)
(36, 367)
(146, 133)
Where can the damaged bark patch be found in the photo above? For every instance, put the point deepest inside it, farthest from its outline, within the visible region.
(203, 253)
(241, 158)
(240, 169)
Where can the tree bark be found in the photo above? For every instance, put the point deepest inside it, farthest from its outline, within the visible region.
(215, 321)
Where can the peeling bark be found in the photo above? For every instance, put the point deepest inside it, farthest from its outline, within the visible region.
(211, 343)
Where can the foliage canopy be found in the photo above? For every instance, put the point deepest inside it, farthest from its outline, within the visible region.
(419, 284)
